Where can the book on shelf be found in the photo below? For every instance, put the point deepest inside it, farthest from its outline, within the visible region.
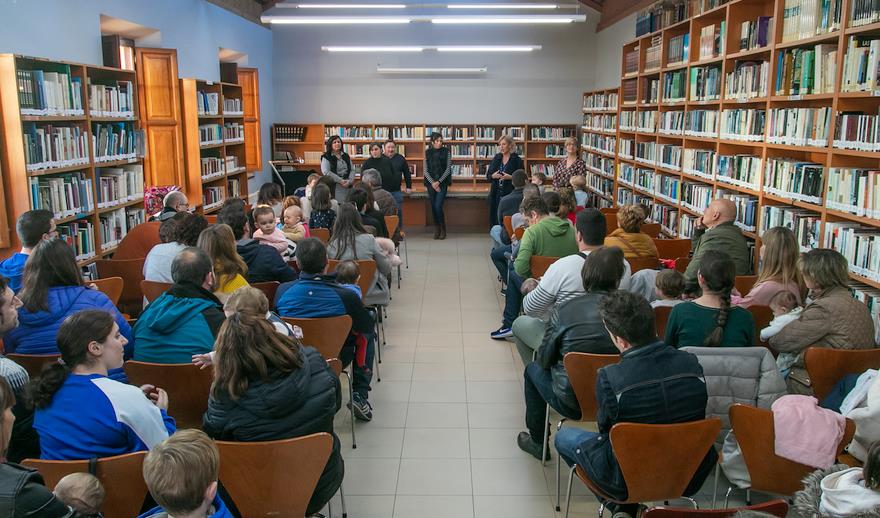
(712, 40)
(514, 132)
(554, 151)
(799, 126)
(116, 141)
(288, 133)
(646, 121)
(233, 131)
(696, 196)
(312, 157)
(626, 148)
(211, 167)
(118, 185)
(52, 91)
(461, 150)
(803, 71)
(668, 188)
(743, 124)
(630, 91)
(233, 186)
(208, 103)
(547, 170)
(631, 61)
(550, 133)
(113, 226)
(856, 191)
(671, 122)
(701, 123)
(64, 195)
(600, 122)
(755, 34)
(445, 131)
(687, 225)
(746, 208)
(857, 130)
(864, 12)
(628, 120)
(699, 162)
(488, 132)
(210, 134)
(462, 170)
(859, 244)
(232, 106)
(705, 83)
(49, 146)
(871, 298)
(651, 93)
(667, 216)
(660, 15)
(232, 165)
(654, 53)
(356, 150)
(747, 80)
(860, 65)
(794, 179)
(411, 132)
(807, 18)
(646, 152)
(644, 179)
(80, 235)
(669, 156)
(351, 132)
(114, 100)
(805, 224)
(678, 49)
(739, 170)
(212, 197)
(675, 86)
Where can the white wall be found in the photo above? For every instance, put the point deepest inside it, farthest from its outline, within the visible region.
(70, 30)
(609, 49)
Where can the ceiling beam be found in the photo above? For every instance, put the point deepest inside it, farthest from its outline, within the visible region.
(595, 4)
(617, 10)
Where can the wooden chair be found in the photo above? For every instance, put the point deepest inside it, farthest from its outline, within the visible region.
(827, 366)
(768, 472)
(391, 223)
(111, 286)
(519, 233)
(610, 222)
(320, 233)
(773, 507)
(652, 229)
(672, 248)
(661, 316)
(538, 264)
(33, 363)
(508, 225)
(658, 461)
(122, 477)
(643, 263)
(744, 283)
(132, 273)
(187, 386)
(681, 264)
(153, 289)
(274, 478)
(138, 242)
(368, 273)
(268, 288)
(609, 210)
(328, 336)
(582, 370)
(211, 219)
(762, 315)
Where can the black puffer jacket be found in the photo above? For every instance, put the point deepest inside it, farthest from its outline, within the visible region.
(575, 326)
(300, 403)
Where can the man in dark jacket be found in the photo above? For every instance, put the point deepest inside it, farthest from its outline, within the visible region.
(263, 261)
(317, 295)
(508, 206)
(184, 320)
(172, 203)
(401, 170)
(652, 384)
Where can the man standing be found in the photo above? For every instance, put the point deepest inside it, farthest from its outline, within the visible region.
(400, 170)
(716, 231)
(32, 227)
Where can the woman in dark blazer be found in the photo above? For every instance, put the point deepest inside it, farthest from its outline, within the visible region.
(499, 175)
(336, 164)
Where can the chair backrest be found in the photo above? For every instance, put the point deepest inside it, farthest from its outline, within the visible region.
(658, 461)
(609, 210)
(327, 334)
(368, 273)
(320, 233)
(153, 289)
(768, 472)
(744, 283)
(111, 286)
(211, 219)
(642, 263)
(132, 273)
(519, 233)
(538, 264)
(274, 478)
(391, 223)
(827, 366)
(121, 476)
(268, 288)
(33, 363)
(661, 316)
(335, 366)
(138, 242)
(672, 248)
(508, 225)
(773, 507)
(762, 315)
(610, 222)
(652, 229)
(582, 370)
(681, 263)
(187, 386)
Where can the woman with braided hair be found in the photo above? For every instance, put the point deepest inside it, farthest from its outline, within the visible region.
(710, 320)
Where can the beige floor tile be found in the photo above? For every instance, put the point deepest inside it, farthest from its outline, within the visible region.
(433, 507)
(437, 415)
(434, 477)
(490, 353)
(495, 443)
(397, 354)
(496, 415)
(508, 477)
(372, 442)
(386, 414)
(388, 391)
(436, 443)
(439, 355)
(494, 392)
(371, 476)
(366, 506)
(437, 392)
(514, 506)
(490, 371)
(439, 339)
(438, 372)
(394, 371)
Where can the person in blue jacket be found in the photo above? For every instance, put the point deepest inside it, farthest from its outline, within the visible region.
(32, 227)
(184, 320)
(53, 289)
(83, 414)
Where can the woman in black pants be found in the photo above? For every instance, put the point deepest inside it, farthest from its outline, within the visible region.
(499, 175)
(438, 177)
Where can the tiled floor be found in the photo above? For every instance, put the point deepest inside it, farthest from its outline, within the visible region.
(446, 413)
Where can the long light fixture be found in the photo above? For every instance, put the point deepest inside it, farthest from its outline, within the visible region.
(369, 48)
(522, 19)
(432, 70)
(335, 20)
(346, 6)
(420, 48)
(502, 6)
(488, 48)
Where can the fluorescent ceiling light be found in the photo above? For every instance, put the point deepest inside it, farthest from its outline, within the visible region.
(346, 6)
(527, 19)
(432, 70)
(334, 20)
(502, 6)
(367, 48)
(488, 48)
(420, 48)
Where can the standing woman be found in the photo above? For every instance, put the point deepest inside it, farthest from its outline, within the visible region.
(571, 165)
(336, 164)
(438, 178)
(500, 173)
(779, 269)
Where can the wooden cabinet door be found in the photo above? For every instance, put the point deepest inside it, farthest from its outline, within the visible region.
(159, 98)
(249, 79)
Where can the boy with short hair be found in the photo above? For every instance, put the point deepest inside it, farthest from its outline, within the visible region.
(538, 178)
(31, 227)
(181, 473)
(306, 192)
(668, 287)
(578, 182)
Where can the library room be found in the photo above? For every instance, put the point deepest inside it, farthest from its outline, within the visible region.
(458, 259)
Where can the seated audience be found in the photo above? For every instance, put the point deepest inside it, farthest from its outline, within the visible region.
(181, 473)
(361, 198)
(53, 289)
(639, 389)
(574, 326)
(779, 254)
(350, 240)
(501, 255)
(508, 206)
(294, 227)
(80, 412)
(786, 310)
(833, 319)
(578, 182)
(567, 204)
(83, 492)
(317, 295)
(547, 236)
(263, 262)
(562, 281)
(841, 490)
(172, 203)
(229, 268)
(668, 288)
(178, 232)
(710, 320)
(270, 195)
(269, 387)
(322, 215)
(716, 231)
(384, 200)
(25, 492)
(267, 233)
(306, 201)
(184, 320)
(628, 235)
(31, 227)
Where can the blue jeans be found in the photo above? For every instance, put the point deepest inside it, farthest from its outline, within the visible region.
(499, 259)
(437, 199)
(495, 234)
(398, 199)
(568, 440)
(538, 388)
(512, 297)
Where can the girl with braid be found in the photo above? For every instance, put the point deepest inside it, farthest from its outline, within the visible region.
(710, 320)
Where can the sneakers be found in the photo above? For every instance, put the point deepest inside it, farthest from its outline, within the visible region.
(363, 411)
(526, 444)
(502, 333)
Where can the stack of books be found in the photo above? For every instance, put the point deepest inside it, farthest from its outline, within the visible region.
(794, 179)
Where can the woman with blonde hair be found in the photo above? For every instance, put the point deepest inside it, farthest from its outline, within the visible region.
(779, 271)
(629, 237)
(229, 268)
(500, 173)
(571, 165)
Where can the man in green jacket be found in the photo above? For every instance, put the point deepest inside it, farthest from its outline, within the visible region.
(716, 231)
(547, 235)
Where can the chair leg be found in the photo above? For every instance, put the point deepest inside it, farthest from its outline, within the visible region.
(692, 501)
(406, 253)
(601, 509)
(342, 498)
(727, 496)
(568, 494)
(351, 409)
(558, 467)
(546, 438)
(715, 489)
(748, 496)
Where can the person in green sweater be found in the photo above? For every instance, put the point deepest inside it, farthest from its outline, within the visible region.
(710, 320)
(547, 235)
(716, 231)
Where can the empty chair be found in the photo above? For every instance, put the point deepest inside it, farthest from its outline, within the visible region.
(672, 248)
(773, 507)
(538, 264)
(111, 286)
(138, 242)
(132, 272)
(320, 233)
(643, 263)
(153, 290)
(33, 363)
(187, 386)
(121, 477)
(744, 283)
(268, 289)
(827, 366)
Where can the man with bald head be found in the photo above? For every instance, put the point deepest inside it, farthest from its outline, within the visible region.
(716, 231)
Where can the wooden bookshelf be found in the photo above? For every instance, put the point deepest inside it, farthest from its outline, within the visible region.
(81, 222)
(824, 152)
(598, 144)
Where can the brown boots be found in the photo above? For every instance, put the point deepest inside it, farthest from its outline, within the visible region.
(436, 231)
(442, 231)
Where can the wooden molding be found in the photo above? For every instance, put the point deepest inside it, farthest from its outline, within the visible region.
(619, 9)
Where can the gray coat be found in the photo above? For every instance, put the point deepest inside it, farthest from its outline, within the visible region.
(379, 293)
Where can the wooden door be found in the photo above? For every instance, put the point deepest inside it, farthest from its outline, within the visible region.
(249, 79)
(159, 98)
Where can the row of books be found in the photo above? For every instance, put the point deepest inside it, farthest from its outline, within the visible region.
(861, 65)
(210, 134)
(739, 170)
(660, 15)
(232, 165)
(712, 40)
(630, 91)
(48, 146)
(678, 49)
(672, 123)
(599, 164)
(212, 197)
(804, 71)
(667, 216)
(547, 170)
(745, 124)
(287, 133)
(554, 151)
(687, 226)
(755, 34)
(118, 185)
(600, 122)
(49, 92)
(233, 131)
(461, 150)
(232, 106)
(646, 121)
(864, 12)
(350, 132)
(64, 195)
(859, 244)
(490, 150)
(746, 208)
(212, 167)
(115, 100)
(233, 187)
(80, 235)
(696, 196)
(411, 132)
(747, 80)
(799, 126)
(699, 162)
(668, 188)
(651, 93)
(604, 143)
(675, 86)
(856, 191)
(871, 298)
(646, 152)
(805, 224)
(628, 120)
(600, 185)
(116, 141)
(463, 170)
(550, 133)
(626, 148)
(116, 224)
(669, 156)
(807, 18)
(857, 130)
(654, 53)
(701, 123)
(794, 179)
(631, 61)
(463, 134)
(705, 83)
(208, 103)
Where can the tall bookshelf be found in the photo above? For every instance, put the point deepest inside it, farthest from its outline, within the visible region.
(599, 144)
(94, 182)
(472, 146)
